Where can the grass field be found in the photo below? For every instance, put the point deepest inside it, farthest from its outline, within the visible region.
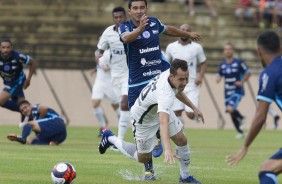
(27, 164)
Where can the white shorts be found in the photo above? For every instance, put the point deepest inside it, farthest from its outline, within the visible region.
(145, 133)
(100, 89)
(193, 93)
(120, 85)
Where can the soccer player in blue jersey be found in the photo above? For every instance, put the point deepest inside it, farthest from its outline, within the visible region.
(235, 72)
(14, 78)
(270, 89)
(141, 38)
(49, 127)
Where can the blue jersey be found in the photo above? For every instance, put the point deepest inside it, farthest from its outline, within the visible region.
(12, 69)
(144, 57)
(270, 83)
(233, 72)
(51, 114)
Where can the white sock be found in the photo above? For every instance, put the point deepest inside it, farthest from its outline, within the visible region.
(99, 113)
(184, 153)
(122, 124)
(128, 149)
(272, 112)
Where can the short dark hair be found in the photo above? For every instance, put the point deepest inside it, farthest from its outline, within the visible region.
(118, 9)
(176, 64)
(269, 41)
(24, 102)
(130, 3)
(6, 40)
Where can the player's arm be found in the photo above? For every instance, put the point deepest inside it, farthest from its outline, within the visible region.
(257, 123)
(218, 78)
(245, 78)
(32, 68)
(42, 111)
(129, 37)
(175, 32)
(164, 130)
(203, 68)
(183, 98)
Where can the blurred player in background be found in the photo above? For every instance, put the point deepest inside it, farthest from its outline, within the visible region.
(270, 89)
(152, 111)
(141, 38)
(119, 71)
(235, 72)
(193, 54)
(14, 78)
(48, 126)
(102, 87)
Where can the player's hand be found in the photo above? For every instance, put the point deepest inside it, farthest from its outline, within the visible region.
(198, 81)
(198, 115)
(106, 68)
(235, 159)
(26, 84)
(143, 23)
(239, 83)
(194, 36)
(169, 157)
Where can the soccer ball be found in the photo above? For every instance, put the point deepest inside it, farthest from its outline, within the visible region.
(63, 173)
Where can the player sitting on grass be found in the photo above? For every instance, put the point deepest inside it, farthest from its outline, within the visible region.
(48, 126)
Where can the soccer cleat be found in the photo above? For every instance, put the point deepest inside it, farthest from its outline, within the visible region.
(240, 136)
(189, 179)
(158, 149)
(276, 119)
(14, 137)
(105, 143)
(149, 176)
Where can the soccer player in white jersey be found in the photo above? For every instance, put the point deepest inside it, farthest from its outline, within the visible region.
(151, 112)
(119, 71)
(101, 88)
(193, 53)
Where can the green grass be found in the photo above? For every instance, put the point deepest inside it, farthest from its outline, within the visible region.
(27, 164)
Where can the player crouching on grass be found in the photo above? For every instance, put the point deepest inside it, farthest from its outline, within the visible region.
(151, 112)
(48, 126)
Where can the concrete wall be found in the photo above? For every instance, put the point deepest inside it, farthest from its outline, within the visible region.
(74, 95)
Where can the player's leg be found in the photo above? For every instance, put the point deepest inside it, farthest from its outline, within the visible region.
(27, 129)
(182, 149)
(271, 168)
(7, 102)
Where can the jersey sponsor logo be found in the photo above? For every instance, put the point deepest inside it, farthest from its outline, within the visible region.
(146, 34)
(13, 61)
(152, 72)
(264, 81)
(150, 63)
(142, 51)
(152, 24)
(155, 31)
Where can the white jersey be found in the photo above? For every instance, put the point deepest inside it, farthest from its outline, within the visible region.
(110, 40)
(157, 96)
(193, 53)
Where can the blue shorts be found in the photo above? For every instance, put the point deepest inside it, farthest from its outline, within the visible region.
(15, 87)
(233, 100)
(133, 94)
(277, 155)
(52, 129)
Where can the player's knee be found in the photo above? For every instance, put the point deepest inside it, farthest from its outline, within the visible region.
(180, 139)
(124, 106)
(144, 157)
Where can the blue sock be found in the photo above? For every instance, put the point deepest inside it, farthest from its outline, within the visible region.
(12, 105)
(267, 177)
(26, 131)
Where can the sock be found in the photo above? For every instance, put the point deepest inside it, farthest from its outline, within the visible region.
(237, 114)
(184, 153)
(272, 112)
(236, 122)
(26, 131)
(128, 149)
(99, 112)
(122, 124)
(149, 166)
(11, 105)
(268, 178)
